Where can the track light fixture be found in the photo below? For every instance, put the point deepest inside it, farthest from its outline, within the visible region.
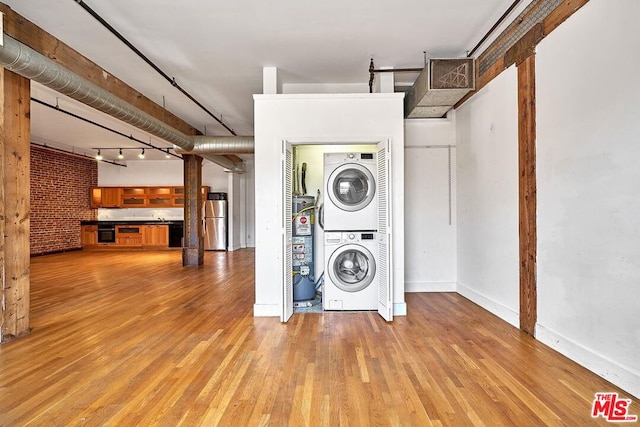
(120, 156)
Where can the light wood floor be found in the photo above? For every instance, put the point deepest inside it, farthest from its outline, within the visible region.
(132, 338)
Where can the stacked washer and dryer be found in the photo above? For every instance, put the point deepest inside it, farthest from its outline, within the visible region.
(350, 232)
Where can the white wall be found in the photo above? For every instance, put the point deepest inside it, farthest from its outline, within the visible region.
(430, 233)
(319, 119)
(487, 199)
(588, 147)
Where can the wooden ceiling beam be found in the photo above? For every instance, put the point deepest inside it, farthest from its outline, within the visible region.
(41, 41)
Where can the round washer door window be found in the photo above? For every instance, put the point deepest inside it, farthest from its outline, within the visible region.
(352, 268)
(351, 187)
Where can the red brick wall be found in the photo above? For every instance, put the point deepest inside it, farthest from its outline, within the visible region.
(60, 187)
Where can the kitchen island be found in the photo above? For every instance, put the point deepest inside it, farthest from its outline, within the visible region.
(132, 234)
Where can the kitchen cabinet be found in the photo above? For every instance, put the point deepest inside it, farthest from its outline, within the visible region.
(140, 235)
(140, 197)
(178, 195)
(106, 197)
(160, 197)
(155, 236)
(129, 236)
(134, 197)
(89, 235)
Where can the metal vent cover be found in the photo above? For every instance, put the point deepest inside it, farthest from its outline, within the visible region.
(440, 85)
(451, 73)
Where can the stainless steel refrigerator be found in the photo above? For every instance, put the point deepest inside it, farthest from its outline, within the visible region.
(215, 222)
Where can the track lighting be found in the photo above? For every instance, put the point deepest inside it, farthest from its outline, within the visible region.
(120, 156)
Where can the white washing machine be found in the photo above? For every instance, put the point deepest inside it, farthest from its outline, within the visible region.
(350, 275)
(351, 195)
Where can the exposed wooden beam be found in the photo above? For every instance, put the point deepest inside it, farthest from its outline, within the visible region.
(35, 37)
(525, 43)
(14, 197)
(527, 193)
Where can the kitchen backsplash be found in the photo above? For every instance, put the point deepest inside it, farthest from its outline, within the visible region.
(141, 214)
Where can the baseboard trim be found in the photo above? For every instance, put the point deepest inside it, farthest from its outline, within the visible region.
(266, 310)
(399, 308)
(617, 374)
(430, 286)
(494, 307)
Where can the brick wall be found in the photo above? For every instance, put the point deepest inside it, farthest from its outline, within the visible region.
(60, 187)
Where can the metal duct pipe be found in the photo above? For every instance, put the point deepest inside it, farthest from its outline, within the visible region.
(224, 162)
(212, 148)
(223, 145)
(28, 63)
(25, 61)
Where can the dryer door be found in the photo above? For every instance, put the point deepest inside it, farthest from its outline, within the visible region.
(351, 268)
(351, 187)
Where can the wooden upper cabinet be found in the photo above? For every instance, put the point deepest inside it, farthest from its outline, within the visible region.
(140, 197)
(106, 197)
(134, 197)
(160, 197)
(111, 197)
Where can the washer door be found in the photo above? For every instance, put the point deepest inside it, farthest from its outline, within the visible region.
(351, 268)
(351, 187)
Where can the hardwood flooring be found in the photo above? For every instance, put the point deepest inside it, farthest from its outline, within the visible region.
(133, 338)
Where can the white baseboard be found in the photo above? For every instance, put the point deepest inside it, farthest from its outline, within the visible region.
(621, 376)
(266, 310)
(503, 312)
(399, 308)
(430, 286)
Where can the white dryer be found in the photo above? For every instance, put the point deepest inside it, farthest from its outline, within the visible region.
(350, 275)
(351, 194)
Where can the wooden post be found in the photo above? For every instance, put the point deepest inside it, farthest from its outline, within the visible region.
(14, 204)
(527, 193)
(193, 248)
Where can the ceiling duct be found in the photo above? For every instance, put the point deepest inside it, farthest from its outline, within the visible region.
(23, 60)
(440, 85)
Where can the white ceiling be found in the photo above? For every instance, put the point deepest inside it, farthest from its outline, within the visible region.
(216, 51)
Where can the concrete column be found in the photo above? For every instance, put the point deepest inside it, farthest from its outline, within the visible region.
(193, 249)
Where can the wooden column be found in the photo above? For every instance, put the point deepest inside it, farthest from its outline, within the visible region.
(193, 250)
(527, 193)
(15, 128)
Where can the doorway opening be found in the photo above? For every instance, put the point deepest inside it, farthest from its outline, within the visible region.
(336, 227)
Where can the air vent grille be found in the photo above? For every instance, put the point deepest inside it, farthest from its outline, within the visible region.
(451, 73)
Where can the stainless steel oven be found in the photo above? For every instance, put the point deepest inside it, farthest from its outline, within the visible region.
(106, 233)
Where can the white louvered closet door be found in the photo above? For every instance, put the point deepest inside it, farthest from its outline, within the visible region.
(287, 267)
(385, 252)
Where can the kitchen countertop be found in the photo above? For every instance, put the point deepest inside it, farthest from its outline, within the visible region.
(132, 222)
